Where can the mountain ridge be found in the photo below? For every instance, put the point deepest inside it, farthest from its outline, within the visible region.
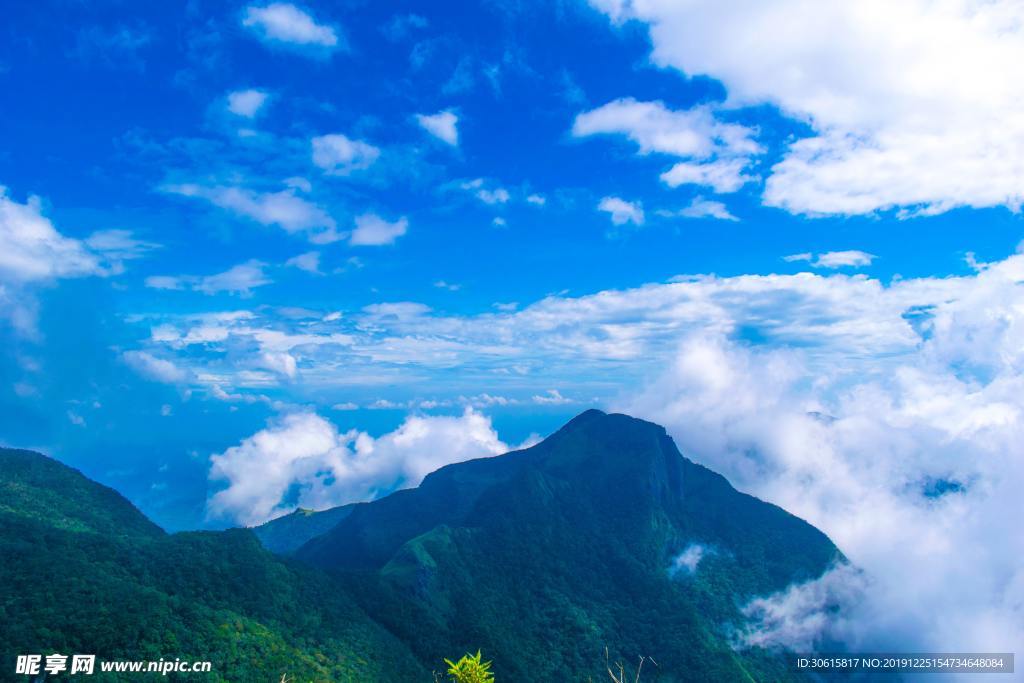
(607, 500)
(542, 557)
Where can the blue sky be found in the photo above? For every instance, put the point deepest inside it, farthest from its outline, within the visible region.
(256, 255)
(116, 115)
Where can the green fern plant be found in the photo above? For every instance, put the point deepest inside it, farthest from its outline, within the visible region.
(470, 669)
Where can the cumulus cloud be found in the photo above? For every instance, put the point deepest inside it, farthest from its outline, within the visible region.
(337, 154)
(31, 248)
(301, 459)
(909, 106)
(803, 615)
(285, 24)
(34, 253)
(284, 209)
(280, 362)
(372, 230)
(721, 176)
(655, 128)
(718, 152)
(442, 125)
(246, 103)
(621, 211)
(912, 467)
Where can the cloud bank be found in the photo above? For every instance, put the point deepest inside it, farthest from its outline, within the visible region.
(301, 459)
(912, 106)
(915, 473)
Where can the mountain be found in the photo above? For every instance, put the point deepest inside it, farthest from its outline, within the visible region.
(601, 536)
(543, 557)
(39, 489)
(286, 534)
(83, 571)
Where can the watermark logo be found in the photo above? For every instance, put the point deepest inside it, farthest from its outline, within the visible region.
(56, 663)
(31, 665)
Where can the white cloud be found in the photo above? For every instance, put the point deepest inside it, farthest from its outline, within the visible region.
(154, 368)
(918, 453)
(718, 152)
(802, 256)
(165, 282)
(34, 253)
(309, 262)
(284, 209)
(282, 22)
(834, 259)
(281, 362)
(372, 230)
(846, 324)
(687, 561)
(498, 195)
(302, 460)
(655, 128)
(621, 211)
(337, 154)
(537, 199)
(721, 176)
(551, 397)
(844, 259)
(911, 106)
(575, 338)
(246, 103)
(31, 248)
(119, 245)
(451, 287)
(240, 279)
(442, 125)
(799, 617)
(702, 208)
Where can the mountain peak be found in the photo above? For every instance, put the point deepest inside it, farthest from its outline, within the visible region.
(603, 506)
(38, 488)
(595, 423)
